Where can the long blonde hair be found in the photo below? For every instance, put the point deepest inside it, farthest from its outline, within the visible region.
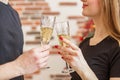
(111, 17)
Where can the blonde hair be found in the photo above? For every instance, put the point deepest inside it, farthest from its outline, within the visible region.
(111, 17)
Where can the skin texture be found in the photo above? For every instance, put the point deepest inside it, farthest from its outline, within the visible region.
(29, 62)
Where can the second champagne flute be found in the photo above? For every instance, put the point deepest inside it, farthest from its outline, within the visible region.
(63, 29)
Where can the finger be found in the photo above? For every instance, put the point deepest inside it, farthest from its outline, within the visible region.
(45, 48)
(41, 55)
(42, 60)
(64, 50)
(68, 57)
(42, 65)
(66, 60)
(68, 51)
(73, 46)
(42, 48)
(44, 54)
(54, 51)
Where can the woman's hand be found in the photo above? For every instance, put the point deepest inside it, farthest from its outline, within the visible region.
(71, 54)
(33, 60)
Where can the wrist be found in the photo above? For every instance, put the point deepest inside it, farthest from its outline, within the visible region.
(85, 71)
(18, 67)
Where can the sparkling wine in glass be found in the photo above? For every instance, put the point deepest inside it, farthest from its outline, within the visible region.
(63, 29)
(47, 26)
(46, 29)
(64, 36)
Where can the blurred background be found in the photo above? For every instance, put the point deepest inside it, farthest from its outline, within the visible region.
(30, 12)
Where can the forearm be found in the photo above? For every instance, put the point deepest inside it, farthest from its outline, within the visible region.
(85, 72)
(9, 70)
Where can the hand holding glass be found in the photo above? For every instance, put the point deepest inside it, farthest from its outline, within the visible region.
(63, 29)
(46, 29)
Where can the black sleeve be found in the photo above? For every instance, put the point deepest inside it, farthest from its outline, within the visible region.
(75, 76)
(115, 64)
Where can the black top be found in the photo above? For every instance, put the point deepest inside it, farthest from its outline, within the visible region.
(11, 36)
(103, 58)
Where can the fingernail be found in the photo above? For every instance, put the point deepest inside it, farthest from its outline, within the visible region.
(59, 53)
(81, 38)
(61, 38)
(56, 46)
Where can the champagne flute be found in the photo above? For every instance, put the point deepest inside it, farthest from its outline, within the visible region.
(63, 29)
(46, 29)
